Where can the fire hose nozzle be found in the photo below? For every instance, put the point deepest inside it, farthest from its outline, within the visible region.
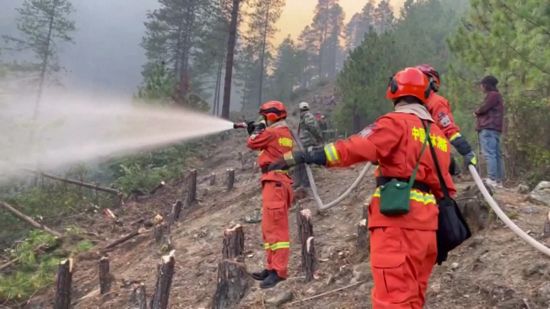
(240, 125)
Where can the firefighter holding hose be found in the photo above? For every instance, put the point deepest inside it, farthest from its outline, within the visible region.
(403, 213)
(440, 109)
(272, 137)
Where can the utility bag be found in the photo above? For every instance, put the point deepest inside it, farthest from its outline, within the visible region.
(453, 229)
(395, 195)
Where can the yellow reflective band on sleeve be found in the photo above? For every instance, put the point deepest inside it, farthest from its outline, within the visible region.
(455, 136)
(286, 142)
(266, 246)
(416, 195)
(331, 154)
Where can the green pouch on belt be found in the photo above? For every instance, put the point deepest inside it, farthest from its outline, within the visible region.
(395, 195)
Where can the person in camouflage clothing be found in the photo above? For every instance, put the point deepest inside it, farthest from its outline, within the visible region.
(310, 135)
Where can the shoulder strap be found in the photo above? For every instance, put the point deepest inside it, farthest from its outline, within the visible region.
(442, 183)
(415, 170)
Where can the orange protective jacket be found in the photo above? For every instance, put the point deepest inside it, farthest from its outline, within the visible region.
(395, 141)
(273, 142)
(440, 109)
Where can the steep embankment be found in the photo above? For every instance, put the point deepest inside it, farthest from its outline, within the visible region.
(494, 269)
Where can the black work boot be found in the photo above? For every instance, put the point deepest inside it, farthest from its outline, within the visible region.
(261, 275)
(271, 280)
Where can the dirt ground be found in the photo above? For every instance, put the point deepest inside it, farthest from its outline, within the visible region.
(493, 269)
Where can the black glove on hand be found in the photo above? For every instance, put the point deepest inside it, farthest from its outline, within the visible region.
(461, 145)
(250, 127)
(291, 159)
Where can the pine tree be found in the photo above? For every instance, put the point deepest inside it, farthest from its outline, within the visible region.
(288, 68)
(383, 17)
(172, 34)
(359, 26)
(232, 40)
(327, 27)
(43, 24)
(256, 49)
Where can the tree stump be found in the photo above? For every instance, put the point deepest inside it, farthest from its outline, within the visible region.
(233, 279)
(105, 277)
(475, 210)
(546, 232)
(192, 187)
(176, 212)
(164, 282)
(230, 179)
(138, 300)
(363, 244)
(305, 235)
(212, 179)
(63, 284)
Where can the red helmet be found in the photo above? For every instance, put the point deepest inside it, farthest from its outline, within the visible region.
(409, 82)
(273, 110)
(431, 73)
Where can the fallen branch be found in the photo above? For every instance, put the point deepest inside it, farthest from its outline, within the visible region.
(327, 293)
(124, 239)
(79, 183)
(29, 220)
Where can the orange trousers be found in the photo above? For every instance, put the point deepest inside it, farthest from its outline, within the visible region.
(276, 201)
(401, 263)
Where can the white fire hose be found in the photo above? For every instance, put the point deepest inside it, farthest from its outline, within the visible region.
(509, 223)
(340, 198)
(492, 203)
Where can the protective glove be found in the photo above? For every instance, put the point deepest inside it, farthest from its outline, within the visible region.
(290, 159)
(250, 127)
(470, 158)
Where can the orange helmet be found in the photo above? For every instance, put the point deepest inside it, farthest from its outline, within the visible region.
(273, 110)
(409, 82)
(431, 73)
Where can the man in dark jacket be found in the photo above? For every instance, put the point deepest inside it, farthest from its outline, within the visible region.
(490, 123)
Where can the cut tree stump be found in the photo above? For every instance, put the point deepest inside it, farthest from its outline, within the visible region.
(63, 284)
(305, 235)
(176, 212)
(164, 282)
(546, 232)
(105, 277)
(475, 209)
(233, 279)
(212, 179)
(29, 220)
(161, 232)
(192, 187)
(138, 300)
(363, 244)
(230, 181)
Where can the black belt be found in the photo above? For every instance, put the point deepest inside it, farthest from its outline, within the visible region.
(380, 181)
(265, 170)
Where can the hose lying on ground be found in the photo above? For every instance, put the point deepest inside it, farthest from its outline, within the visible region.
(340, 198)
(516, 229)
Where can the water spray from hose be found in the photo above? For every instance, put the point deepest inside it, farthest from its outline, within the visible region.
(77, 128)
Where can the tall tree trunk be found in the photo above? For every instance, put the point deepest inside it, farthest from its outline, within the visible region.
(229, 60)
(45, 59)
(185, 77)
(262, 55)
(217, 93)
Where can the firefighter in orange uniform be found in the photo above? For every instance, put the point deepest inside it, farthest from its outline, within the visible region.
(403, 246)
(272, 137)
(440, 109)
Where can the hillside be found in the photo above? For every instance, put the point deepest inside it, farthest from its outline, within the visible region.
(494, 269)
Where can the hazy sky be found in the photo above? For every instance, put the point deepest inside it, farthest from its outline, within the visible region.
(107, 57)
(299, 13)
